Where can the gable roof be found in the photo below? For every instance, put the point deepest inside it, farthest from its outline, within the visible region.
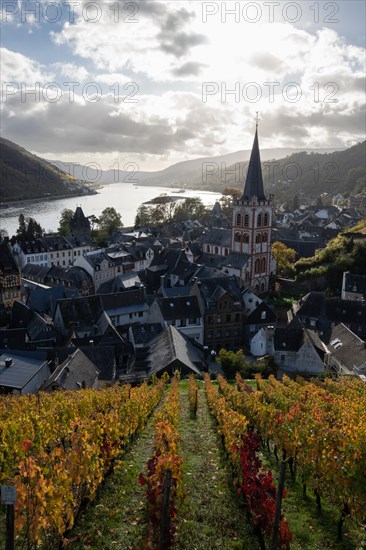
(21, 371)
(179, 307)
(346, 347)
(171, 348)
(73, 372)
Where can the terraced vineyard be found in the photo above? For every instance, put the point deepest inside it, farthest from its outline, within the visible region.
(188, 464)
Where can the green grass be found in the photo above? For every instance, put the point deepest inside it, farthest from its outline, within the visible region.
(211, 515)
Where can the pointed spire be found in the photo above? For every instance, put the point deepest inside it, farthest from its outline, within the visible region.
(254, 182)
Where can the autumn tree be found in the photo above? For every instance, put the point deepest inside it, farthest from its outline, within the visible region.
(110, 220)
(284, 257)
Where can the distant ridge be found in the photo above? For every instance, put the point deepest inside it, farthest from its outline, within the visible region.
(26, 176)
(188, 172)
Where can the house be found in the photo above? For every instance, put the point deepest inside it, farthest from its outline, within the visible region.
(320, 313)
(353, 287)
(262, 342)
(22, 372)
(346, 352)
(171, 351)
(40, 331)
(50, 251)
(221, 306)
(75, 373)
(9, 277)
(102, 356)
(183, 312)
(258, 315)
(298, 351)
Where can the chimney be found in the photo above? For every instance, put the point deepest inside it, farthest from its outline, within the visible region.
(8, 362)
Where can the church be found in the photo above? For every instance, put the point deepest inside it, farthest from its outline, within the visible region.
(245, 249)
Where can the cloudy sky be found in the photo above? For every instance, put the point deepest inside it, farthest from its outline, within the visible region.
(154, 83)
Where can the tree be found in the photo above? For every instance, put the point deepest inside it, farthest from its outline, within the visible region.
(110, 220)
(143, 216)
(22, 229)
(226, 203)
(34, 230)
(192, 208)
(231, 362)
(284, 257)
(93, 221)
(233, 192)
(66, 217)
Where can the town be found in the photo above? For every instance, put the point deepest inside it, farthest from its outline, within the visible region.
(157, 298)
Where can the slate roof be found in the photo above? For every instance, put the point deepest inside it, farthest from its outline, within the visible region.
(143, 334)
(208, 288)
(346, 347)
(179, 307)
(103, 357)
(171, 347)
(75, 370)
(130, 298)
(288, 339)
(254, 181)
(85, 310)
(13, 338)
(22, 370)
(216, 236)
(255, 318)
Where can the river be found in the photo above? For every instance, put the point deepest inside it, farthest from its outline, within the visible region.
(124, 197)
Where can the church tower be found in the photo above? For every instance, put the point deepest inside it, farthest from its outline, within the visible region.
(252, 225)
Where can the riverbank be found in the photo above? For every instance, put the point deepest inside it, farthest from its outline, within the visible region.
(24, 202)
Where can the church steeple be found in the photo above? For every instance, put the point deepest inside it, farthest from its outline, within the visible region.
(254, 181)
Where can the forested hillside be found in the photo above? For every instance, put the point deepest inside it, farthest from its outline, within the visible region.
(26, 176)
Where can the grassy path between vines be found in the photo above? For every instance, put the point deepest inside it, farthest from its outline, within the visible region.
(210, 515)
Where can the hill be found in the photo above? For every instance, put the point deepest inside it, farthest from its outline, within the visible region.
(189, 173)
(26, 176)
(306, 173)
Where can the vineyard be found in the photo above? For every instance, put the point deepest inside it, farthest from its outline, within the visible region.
(188, 464)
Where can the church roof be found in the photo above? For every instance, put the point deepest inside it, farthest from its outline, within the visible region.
(254, 181)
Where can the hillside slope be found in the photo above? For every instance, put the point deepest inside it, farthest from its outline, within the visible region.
(26, 176)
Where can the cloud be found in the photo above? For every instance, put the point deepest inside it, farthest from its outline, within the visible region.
(191, 68)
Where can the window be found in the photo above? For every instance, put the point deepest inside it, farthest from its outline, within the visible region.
(257, 265)
(192, 321)
(263, 265)
(183, 322)
(245, 238)
(246, 220)
(263, 287)
(228, 318)
(263, 315)
(237, 237)
(218, 319)
(208, 248)
(246, 276)
(258, 238)
(265, 219)
(216, 250)
(238, 220)
(226, 251)
(259, 220)
(283, 358)
(264, 237)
